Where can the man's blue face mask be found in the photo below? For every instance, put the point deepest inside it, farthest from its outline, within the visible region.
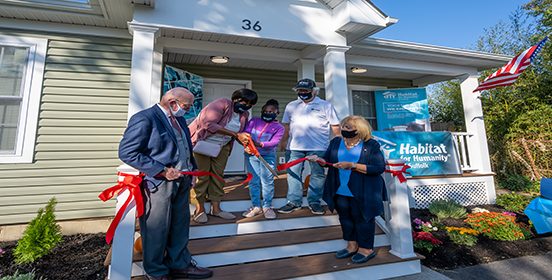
(305, 95)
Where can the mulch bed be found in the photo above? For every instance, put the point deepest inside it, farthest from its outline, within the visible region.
(451, 255)
(81, 256)
(78, 256)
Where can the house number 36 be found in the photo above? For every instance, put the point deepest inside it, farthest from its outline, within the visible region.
(247, 25)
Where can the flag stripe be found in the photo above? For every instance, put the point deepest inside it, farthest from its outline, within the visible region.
(509, 73)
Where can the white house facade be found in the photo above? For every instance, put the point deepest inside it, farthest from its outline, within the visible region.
(73, 72)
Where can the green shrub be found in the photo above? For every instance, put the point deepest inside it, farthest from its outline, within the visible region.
(40, 236)
(516, 182)
(447, 209)
(513, 202)
(438, 223)
(17, 276)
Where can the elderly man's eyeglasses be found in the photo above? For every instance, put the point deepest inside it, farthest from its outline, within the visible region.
(183, 105)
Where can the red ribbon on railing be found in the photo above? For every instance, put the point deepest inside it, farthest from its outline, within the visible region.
(132, 183)
(398, 173)
(295, 162)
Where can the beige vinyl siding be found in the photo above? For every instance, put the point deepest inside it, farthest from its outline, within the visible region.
(83, 114)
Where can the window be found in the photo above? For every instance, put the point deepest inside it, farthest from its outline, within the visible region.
(364, 104)
(21, 71)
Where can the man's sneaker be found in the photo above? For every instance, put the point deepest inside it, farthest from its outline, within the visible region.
(317, 209)
(269, 213)
(288, 208)
(252, 212)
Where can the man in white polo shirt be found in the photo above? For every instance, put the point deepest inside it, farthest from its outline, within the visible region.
(307, 122)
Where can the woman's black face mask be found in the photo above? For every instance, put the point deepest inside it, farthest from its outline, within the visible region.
(349, 134)
(240, 108)
(268, 117)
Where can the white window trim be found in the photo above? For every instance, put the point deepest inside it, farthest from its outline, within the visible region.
(30, 103)
(361, 87)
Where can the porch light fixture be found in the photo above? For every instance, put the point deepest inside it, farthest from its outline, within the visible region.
(219, 59)
(357, 70)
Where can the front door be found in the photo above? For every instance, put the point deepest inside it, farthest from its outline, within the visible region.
(214, 90)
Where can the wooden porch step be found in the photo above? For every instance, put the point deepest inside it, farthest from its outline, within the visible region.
(256, 241)
(236, 191)
(301, 213)
(302, 266)
(263, 240)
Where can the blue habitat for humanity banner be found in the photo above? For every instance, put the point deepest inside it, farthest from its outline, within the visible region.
(427, 153)
(402, 109)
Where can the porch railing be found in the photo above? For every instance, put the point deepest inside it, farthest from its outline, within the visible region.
(461, 140)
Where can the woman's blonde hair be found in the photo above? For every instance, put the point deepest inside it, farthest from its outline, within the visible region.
(363, 128)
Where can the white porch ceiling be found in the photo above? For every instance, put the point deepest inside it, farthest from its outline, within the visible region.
(388, 59)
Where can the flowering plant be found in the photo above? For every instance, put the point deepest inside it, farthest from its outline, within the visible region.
(509, 214)
(2, 252)
(495, 225)
(425, 240)
(479, 210)
(460, 235)
(424, 226)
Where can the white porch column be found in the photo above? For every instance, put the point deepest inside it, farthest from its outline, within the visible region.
(146, 68)
(473, 113)
(305, 69)
(335, 79)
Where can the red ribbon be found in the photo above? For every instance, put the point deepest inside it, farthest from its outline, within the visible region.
(295, 162)
(398, 173)
(132, 183)
(205, 173)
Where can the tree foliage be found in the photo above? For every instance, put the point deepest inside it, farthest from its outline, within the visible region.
(516, 113)
(445, 104)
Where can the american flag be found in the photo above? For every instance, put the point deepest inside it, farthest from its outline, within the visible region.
(509, 73)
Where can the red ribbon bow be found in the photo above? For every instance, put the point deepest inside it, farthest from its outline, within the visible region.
(132, 183)
(398, 173)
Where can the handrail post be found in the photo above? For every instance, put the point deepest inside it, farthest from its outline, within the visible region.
(123, 240)
(398, 222)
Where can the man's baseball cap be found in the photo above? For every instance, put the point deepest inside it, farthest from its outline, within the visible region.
(305, 84)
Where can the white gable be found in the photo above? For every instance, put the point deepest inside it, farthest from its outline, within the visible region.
(305, 21)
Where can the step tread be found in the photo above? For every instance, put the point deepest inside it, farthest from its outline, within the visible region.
(236, 191)
(300, 213)
(267, 239)
(301, 266)
(255, 241)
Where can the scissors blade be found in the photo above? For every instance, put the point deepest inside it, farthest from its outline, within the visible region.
(268, 166)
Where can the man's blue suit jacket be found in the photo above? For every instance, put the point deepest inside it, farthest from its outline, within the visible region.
(149, 143)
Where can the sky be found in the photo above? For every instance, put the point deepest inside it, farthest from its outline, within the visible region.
(447, 23)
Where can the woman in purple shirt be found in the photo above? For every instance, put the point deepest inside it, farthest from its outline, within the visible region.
(266, 134)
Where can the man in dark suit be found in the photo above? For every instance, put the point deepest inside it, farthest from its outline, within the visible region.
(157, 141)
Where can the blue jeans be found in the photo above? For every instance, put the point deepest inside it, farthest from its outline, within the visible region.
(295, 182)
(261, 176)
